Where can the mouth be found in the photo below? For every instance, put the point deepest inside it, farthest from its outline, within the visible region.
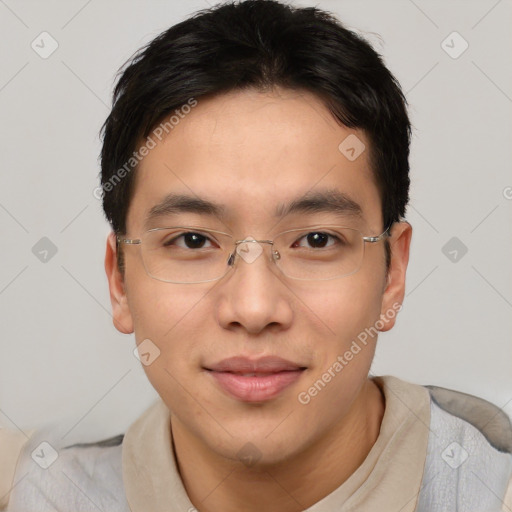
(254, 380)
(255, 386)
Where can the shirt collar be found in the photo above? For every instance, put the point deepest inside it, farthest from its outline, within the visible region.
(389, 478)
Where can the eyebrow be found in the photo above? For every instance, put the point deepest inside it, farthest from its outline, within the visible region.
(324, 201)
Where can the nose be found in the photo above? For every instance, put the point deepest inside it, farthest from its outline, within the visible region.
(253, 296)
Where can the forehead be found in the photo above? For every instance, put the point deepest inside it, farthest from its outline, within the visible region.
(253, 154)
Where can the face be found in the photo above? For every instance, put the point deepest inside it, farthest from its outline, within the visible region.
(252, 153)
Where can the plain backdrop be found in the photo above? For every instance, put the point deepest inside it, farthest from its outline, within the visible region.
(61, 358)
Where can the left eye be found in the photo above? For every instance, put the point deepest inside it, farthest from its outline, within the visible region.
(317, 239)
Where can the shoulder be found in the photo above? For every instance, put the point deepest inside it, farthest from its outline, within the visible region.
(488, 419)
(11, 445)
(41, 470)
(469, 456)
(449, 407)
(50, 473)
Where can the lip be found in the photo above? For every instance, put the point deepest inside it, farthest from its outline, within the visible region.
(268, 377)
(267, 364)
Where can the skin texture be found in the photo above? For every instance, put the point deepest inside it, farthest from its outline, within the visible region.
(251, 151)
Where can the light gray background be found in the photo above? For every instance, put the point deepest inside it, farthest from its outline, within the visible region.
(61, 358)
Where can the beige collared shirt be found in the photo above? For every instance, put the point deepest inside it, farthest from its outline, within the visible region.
(390, 478)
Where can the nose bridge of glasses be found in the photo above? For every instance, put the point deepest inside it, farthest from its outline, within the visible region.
(250, 249)
(249, 239)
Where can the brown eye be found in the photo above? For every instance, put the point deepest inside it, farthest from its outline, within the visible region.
(316, 239)
(190, 240)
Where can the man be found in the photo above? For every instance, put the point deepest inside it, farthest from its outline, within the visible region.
(255, 175)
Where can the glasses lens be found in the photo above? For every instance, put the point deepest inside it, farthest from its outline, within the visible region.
(185, 255)
(319, 253)
(194, 255)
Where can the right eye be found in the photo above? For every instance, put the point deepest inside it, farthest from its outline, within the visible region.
(189, 240)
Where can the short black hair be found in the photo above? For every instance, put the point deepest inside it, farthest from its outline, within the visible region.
(258, 44)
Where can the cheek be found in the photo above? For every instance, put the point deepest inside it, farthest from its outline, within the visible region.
(173, 318)
(343, 357)
(158, 308)
(162, 313)
(346, 306)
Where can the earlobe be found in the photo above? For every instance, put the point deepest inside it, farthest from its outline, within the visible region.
(394, 292)
(121, 314)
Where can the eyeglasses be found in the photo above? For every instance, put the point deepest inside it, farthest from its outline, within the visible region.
(184, 254)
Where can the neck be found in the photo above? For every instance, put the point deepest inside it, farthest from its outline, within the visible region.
(215, 484)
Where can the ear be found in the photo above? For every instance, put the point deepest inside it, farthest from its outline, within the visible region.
(393, 296)
(121, 314)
